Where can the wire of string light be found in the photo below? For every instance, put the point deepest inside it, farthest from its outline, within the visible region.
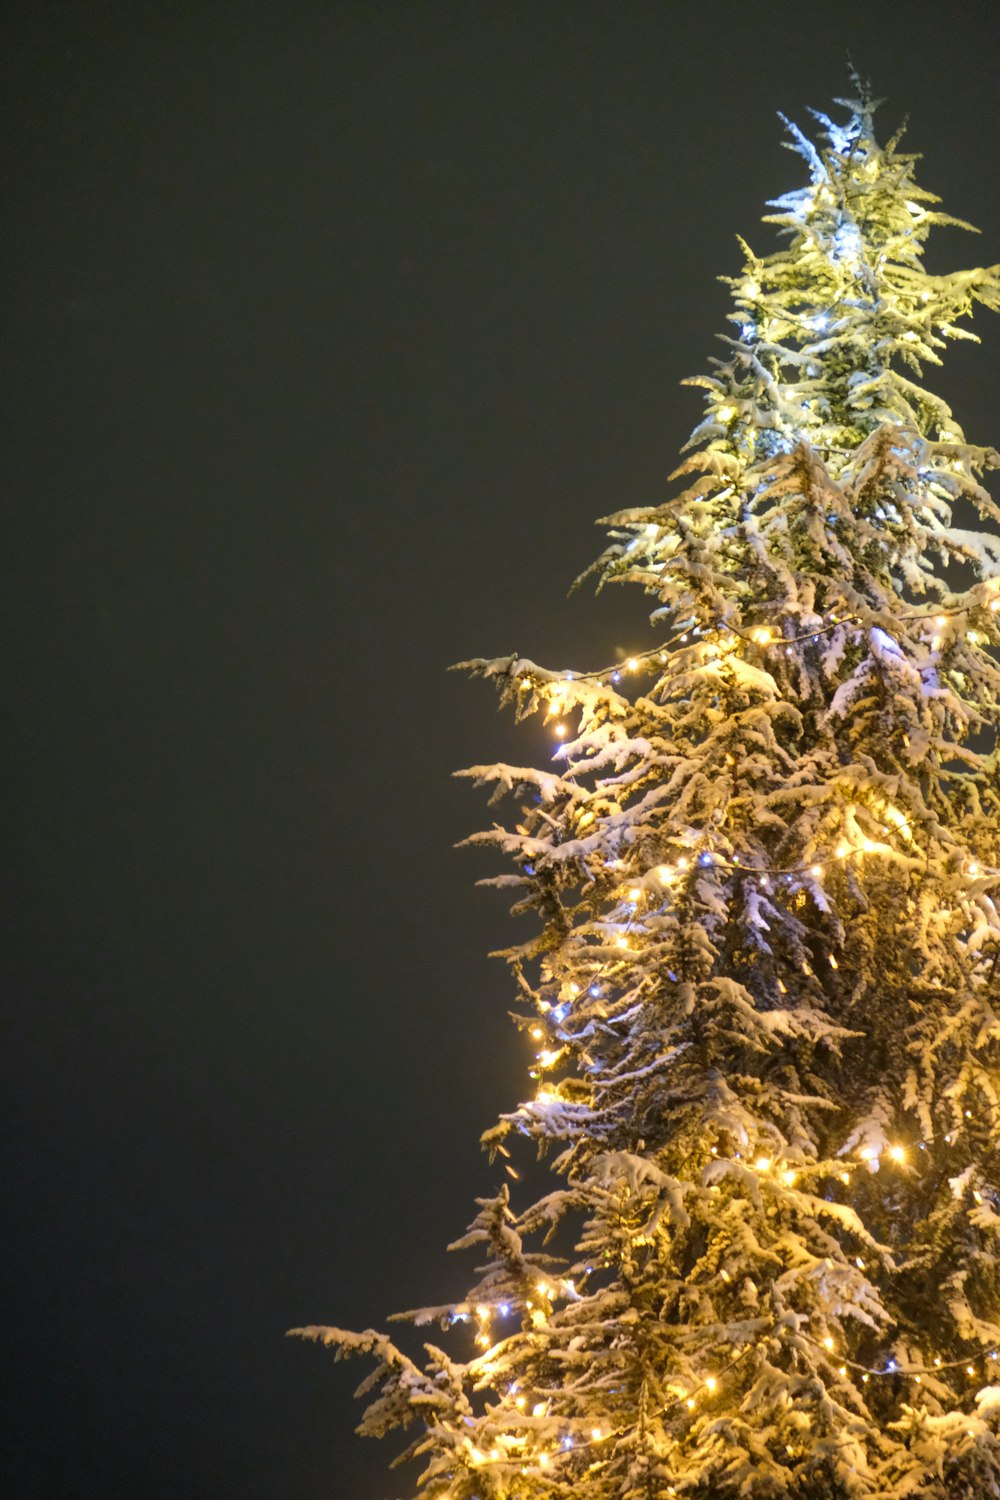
(761, 636)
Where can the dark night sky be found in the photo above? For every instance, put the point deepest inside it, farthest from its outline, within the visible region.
(331, 329)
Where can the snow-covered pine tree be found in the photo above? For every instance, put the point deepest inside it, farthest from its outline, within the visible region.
(767, 982)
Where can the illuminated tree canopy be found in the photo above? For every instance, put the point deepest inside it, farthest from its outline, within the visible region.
(764, 983)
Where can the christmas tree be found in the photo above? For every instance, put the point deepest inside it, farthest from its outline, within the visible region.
(765, 992)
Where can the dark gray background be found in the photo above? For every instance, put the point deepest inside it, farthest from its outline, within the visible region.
(331, 329)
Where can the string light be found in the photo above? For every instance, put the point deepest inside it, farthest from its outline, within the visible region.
(759, 635)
